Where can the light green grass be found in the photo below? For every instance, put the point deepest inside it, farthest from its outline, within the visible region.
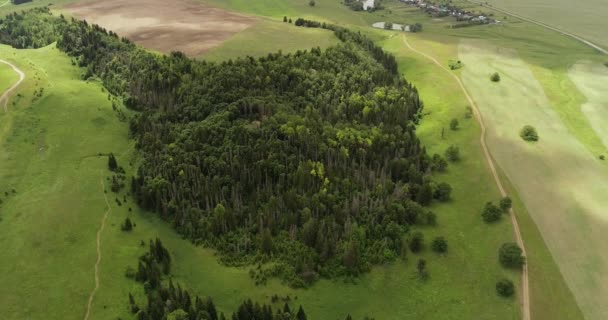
(8, 77)
(586, 18)
(270, 36)
(562, 184)
(592, 79)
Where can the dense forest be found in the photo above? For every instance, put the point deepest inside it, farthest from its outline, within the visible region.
(309, 160)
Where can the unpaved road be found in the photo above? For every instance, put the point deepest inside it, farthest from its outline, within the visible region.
(103, 224)
(525, 301)
(10, 90)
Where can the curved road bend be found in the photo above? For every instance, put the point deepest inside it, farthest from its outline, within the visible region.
(6, 93)
(525, 303)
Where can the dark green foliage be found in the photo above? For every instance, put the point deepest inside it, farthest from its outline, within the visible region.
(388, 25)
(301, 315)
(495, 77)
(311, 3)
(491, 213)
(602, 157)
(421, 267)
(528, 133)
(127, 225)
(454, 124)
(452, 153)
(510, 255)
(310, 157)
(417, 27)
(112, 163)
(505, 204)
(505, 288)
(285, 19)
(355, 5)
(438, 163)
(416, 242)
(440, 245)
(443, 192)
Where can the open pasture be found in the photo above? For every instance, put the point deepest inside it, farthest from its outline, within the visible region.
(7, 77)
(562, 184)
(165, 26)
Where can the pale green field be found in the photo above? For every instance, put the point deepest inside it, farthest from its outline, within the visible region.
(7, 78)
(562, 184)
(270, 36)
(585, 18)
(592, 80)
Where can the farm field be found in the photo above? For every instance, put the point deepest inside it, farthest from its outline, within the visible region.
(562, 183)
(585, 18)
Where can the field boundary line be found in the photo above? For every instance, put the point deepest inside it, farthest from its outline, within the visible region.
(548, 26)
(8, 91)
(525, 304)
(101, 227)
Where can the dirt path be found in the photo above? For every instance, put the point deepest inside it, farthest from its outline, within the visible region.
(544, 25)
(103, 224)
(7, 2)
(10, 90)
(525, 301)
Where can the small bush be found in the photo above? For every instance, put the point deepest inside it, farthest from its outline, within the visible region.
(505, 204)
(127, 226)
(440, 245)
(416, 242)
(528, 133)
(510, 255)
(443, 192)
(495, 77)
(454, 124)
(452, 153)
(505, 288)
(491, 213)
(312, 3)
(602, 157)
(388, 25)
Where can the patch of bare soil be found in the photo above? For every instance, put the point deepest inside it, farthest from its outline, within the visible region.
(165, 26)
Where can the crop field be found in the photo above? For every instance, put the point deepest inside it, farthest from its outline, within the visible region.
(591, 79)
(562, 184)
(182, 25)
(585, 18)
(270, 36)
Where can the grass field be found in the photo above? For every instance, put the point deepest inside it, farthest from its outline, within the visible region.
(270, 36)
(562, 183)
(7, 77)
(585, 18)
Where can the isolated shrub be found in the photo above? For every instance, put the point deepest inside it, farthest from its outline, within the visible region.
(416, 242)
(505, 204)
(602, 157)
(112, 163)
(452, 153)
(438, 163)
(528, 133)
(505, 288)
(127, 225)
(468, 113)
(454, 124)
(417, 27)
(388, 25)
(440, 245)
(284, 18)
(491, 213)
(312, 3)
(495, 77)
(510, 255)
(443, 192)
(421, 267)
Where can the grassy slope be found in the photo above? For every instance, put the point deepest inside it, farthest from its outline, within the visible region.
(570, 212)
(270, 36)
(7, 77)
(586, 18)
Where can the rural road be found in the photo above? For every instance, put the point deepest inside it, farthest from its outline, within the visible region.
(103, 224)
(6, 93)
(587, 42)
(524, 279)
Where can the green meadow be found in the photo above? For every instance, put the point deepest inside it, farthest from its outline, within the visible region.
(7, 77)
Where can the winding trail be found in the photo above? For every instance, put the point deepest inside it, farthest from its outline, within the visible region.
(525, 301)
(103, 224)
(10, 90)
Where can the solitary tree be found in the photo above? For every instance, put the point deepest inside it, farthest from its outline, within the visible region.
(285, 19)
(311, 3)
(301, 315)
(495, 77)
(452, 153)
(510, 255)
(416, 242)
(443, 192)
(491, 213)
(505, 287)
(528, 133)
(127, 225)
(440, 245)
(454, 124)
(505, 204)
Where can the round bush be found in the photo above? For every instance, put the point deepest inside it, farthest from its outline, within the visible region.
(528, 133)
(495, 77)
(505, 288)
(510, 255)
(440, 245)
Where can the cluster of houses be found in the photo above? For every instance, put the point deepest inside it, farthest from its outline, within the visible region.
(444, 10)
